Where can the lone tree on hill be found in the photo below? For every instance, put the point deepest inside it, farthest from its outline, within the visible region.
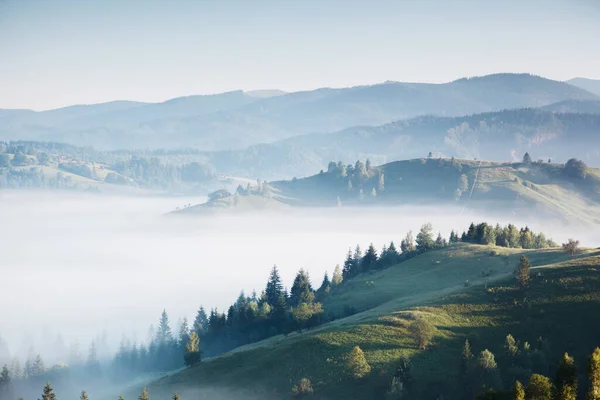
(575, 168)
(422, 331)
(522, 273)
(357, 363)
(571, 247)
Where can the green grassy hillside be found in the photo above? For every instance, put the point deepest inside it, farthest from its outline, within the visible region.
(562, 306)
(514, 187)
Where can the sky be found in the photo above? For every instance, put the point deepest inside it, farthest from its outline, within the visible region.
(56, 53)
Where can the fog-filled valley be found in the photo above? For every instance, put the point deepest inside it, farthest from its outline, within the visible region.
(104, 265)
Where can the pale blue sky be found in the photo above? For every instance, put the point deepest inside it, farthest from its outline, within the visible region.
(56, 53)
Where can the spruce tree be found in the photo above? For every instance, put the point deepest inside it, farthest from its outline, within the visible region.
(325, 284)
(522, 273)
(439, 241)
(357, 363)
(425, 238)
(519, 391)
(274, 287)
(348, 270)
(539, 388)
(302, 291)
(466, 358)
(48, 393)
(593, 370)
(566, 379)
(184, 333)
(163, 334)
(408, 243)
(369, 261)
(144, 395)
(201, 321)
(4, 382)
(526, 159)
(337, 277)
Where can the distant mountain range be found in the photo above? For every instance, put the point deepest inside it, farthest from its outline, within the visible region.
(236, 120)
(591, 85)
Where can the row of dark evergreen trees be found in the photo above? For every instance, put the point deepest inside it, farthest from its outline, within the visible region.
(482, 233)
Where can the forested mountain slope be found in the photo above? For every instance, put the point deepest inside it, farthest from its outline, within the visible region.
(463, 292)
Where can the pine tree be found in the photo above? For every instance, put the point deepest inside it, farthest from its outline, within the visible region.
(593, 370)
(453, 237)
(164, 335)
(526, 159)
(511, 347)
(144, 395)
(84, 395)
(472, 233)
(466, 359)
(425, 238)
(408, 243)
(274, 287)
(357, 363)
(539, 388)
(37, 368)
(201, 321)
(337, 277)
(92, 364)
(348, 270)
(369, 261)
(519, 391)
(302, 291)
(522, 273)
(48, 393)
(4, 382)
(184, 332)
(439, 241)
(325, 284)
(566, 379)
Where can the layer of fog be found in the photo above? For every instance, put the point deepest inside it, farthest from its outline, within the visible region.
(80, 265)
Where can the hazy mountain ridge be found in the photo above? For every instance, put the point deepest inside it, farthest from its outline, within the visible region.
(591, 85)
(237, 119)
(503, 135)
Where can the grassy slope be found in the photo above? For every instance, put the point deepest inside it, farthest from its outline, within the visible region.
(499, 186)
(563, 307)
